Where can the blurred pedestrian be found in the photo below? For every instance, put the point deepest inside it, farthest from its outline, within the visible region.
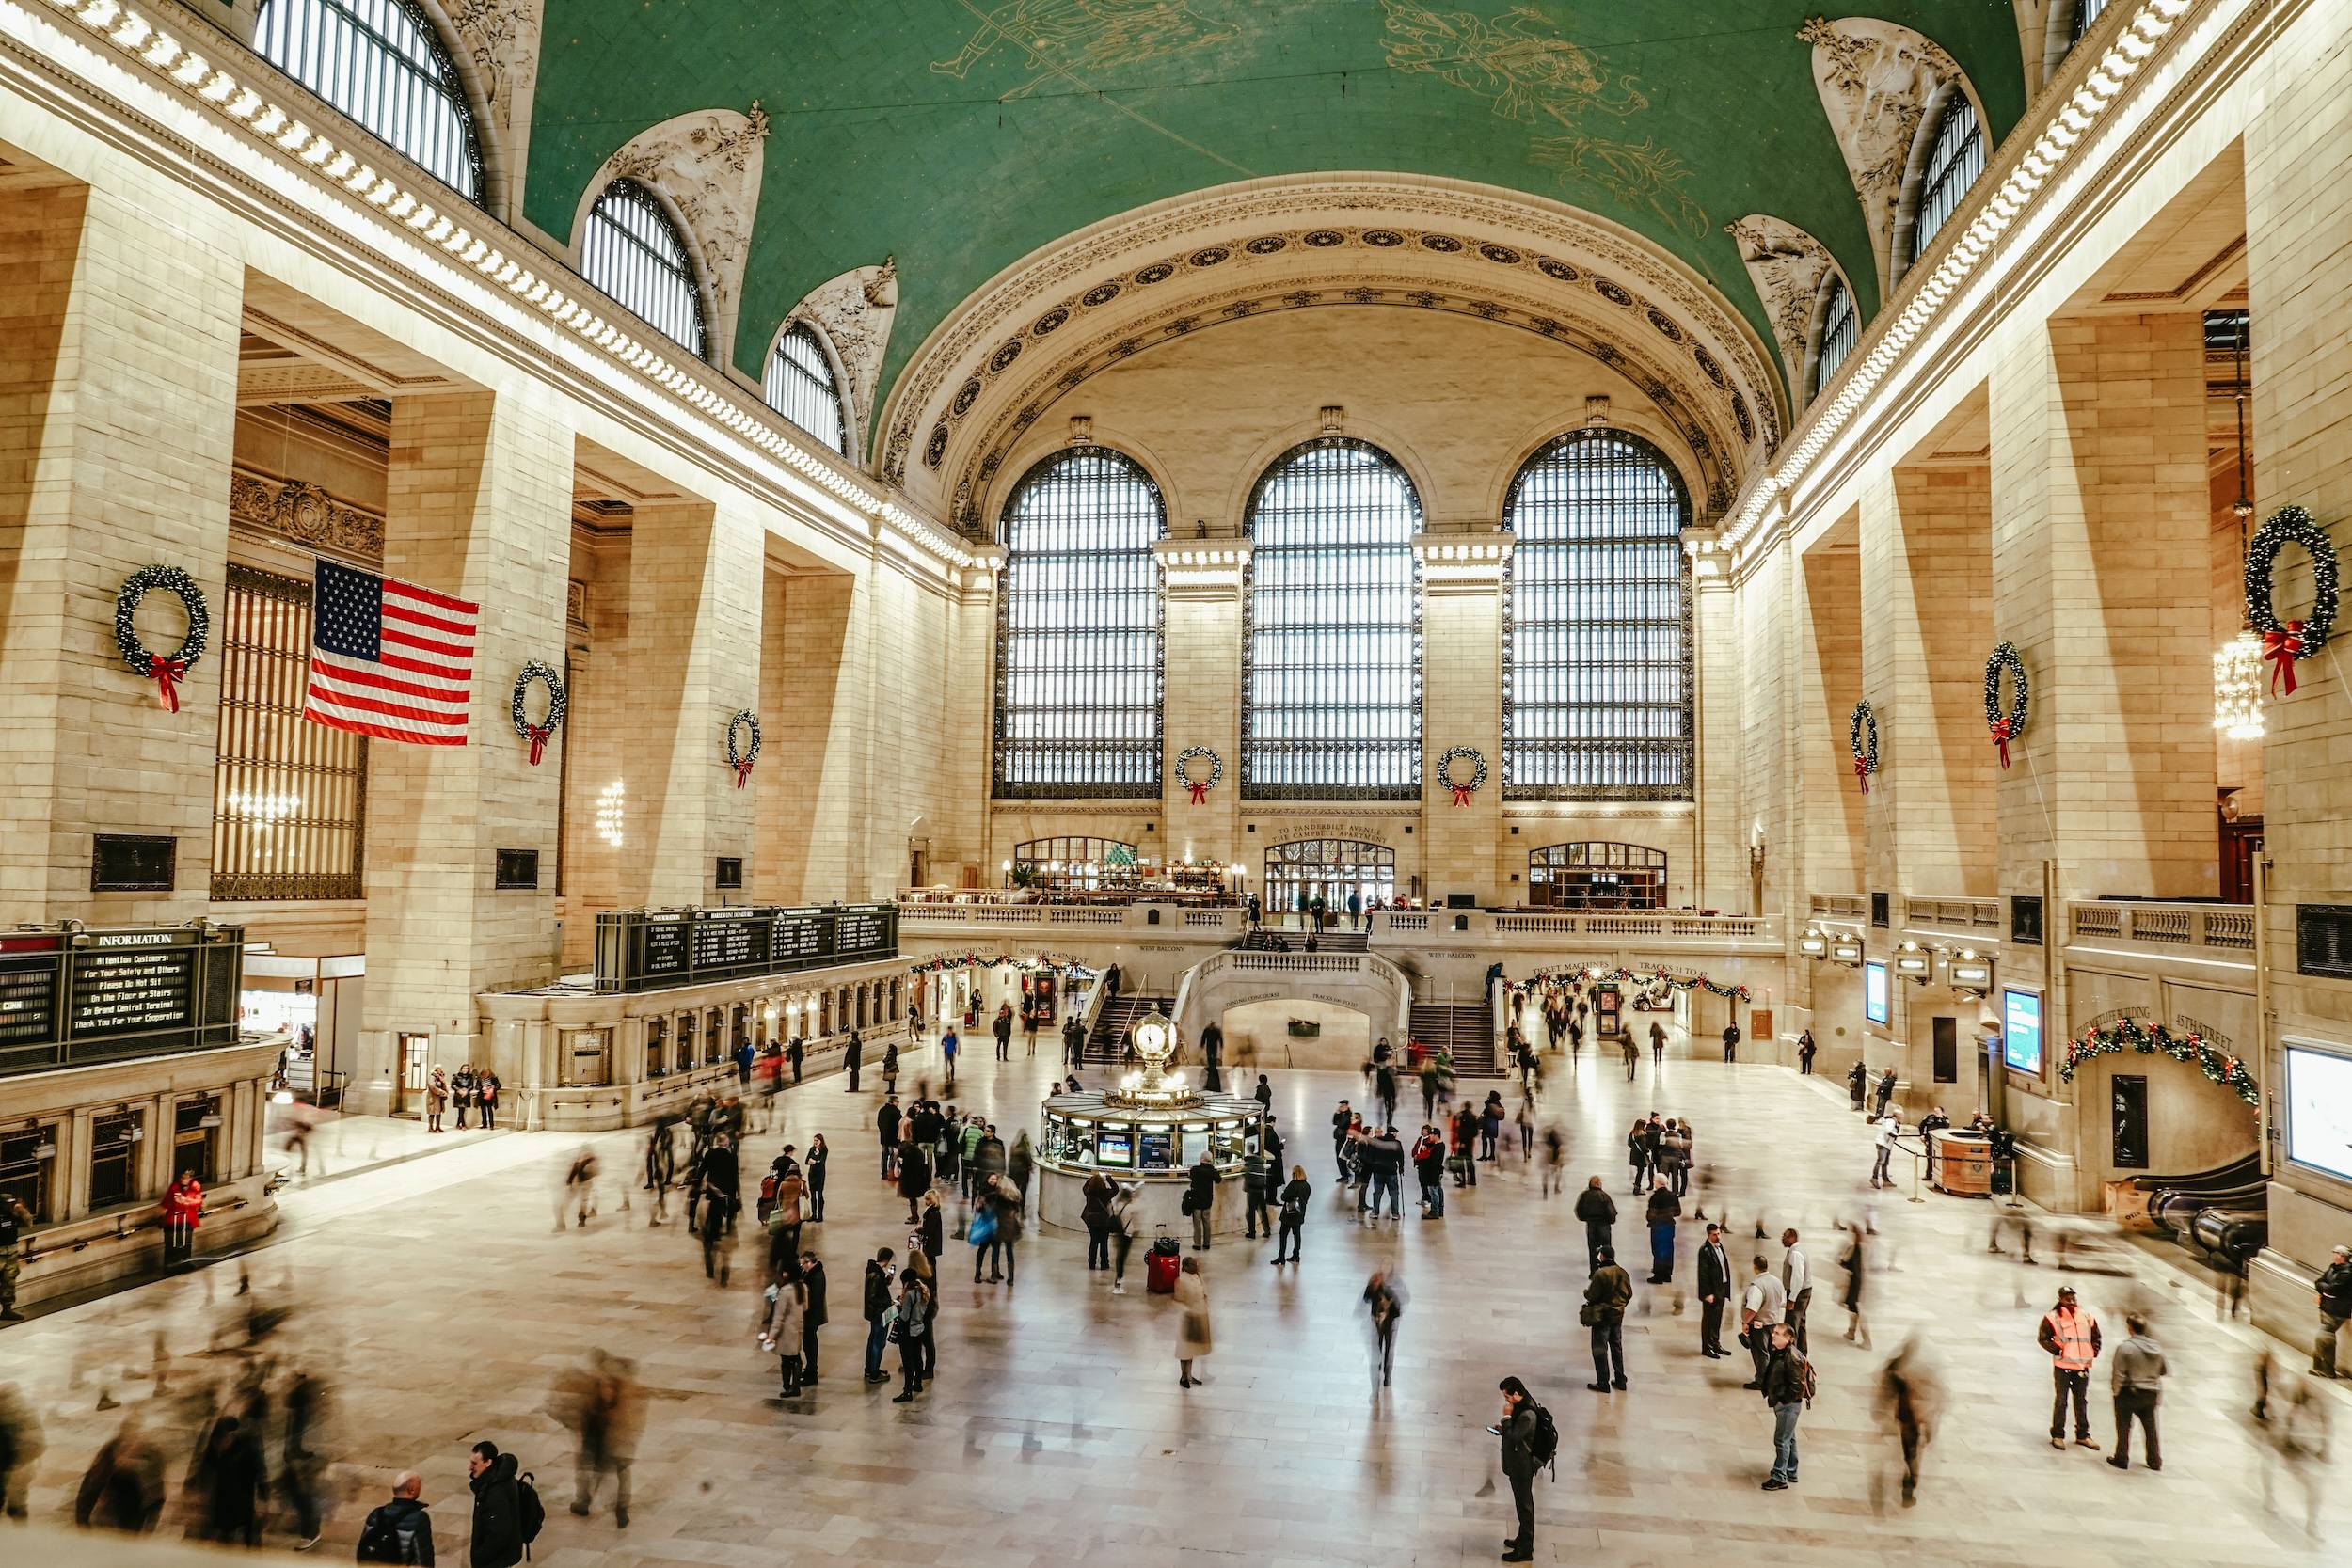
(2136, 1378)
(1123, 1223)
(606, 1410)
(184, 1211)
(124, 1488)
(228, 1482)
(1856, 1263)
(400, 1532)
(2296, 1423)
(1385, 1300)
(1194, 1340)
(22, 1444)
(1907, 1400)
(498, 1513)
(580, 1189)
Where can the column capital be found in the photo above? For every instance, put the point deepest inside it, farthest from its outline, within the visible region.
(1203, 568)
(1463, 563)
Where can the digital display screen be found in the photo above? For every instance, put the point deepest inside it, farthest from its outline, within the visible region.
(141, 989)
(2020, 1030)
(2319, 1110)
(1159, 1152)
(1874, 1005)
(1115, 1148)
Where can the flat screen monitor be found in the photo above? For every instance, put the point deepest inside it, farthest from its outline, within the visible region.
(1159, 1151)
(2020, 1030)
(1874, 991)
(2319, 1110)
(1114, 1147)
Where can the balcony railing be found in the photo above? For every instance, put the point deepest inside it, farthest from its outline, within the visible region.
(1954, 914)
(1840, 906)
(932, 914)
(2223, 927)
(1645, 925)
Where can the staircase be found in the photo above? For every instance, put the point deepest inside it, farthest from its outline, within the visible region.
(1262, 940)
(1469, 1033)
(1110, 1025)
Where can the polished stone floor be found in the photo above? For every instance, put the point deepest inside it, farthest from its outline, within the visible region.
(440, 1299)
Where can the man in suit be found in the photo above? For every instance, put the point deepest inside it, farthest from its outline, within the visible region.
(1714, 1291)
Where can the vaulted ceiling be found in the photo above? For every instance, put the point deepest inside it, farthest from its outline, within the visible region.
(961, 137)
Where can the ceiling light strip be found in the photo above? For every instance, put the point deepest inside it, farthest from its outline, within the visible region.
(2063, 133)
(134, 35)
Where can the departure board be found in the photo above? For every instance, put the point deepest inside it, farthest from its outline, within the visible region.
(665, 948)
(132, 989)
(28, 998)
(638, 949)
(800, 935)
(863, 931)
(730, 940)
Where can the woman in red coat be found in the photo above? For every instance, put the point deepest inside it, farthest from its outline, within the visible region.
(184, 1211)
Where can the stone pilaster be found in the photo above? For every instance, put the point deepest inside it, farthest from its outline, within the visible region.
(1201, 706)
(117, 402)
(1461, 686)
(478, 506)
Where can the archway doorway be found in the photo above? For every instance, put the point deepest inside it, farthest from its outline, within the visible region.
(1292, 1032)
(1298, 873)
(1596, 876)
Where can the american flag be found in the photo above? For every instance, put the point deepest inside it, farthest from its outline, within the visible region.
(389, 659)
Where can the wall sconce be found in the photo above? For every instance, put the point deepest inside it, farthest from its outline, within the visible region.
(1812, 942)
(1846, 950)
(1911, 962)
(1971, 972)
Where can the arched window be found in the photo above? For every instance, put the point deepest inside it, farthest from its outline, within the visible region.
(382, 63)
(1840, 328)
(634, 252)
(1597, 647)
(801, 386)
(1331, 653)
(1955, 158)
(1078, 642)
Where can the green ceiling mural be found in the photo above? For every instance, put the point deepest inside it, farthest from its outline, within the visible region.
(961, 136)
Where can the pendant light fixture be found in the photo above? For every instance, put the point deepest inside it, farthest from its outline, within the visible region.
(2237, 686)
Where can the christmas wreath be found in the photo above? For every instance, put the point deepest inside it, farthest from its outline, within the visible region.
(1199, 787)
(558, 702)
(165, 670)
(2283, 645)
(2217, 1066)
(1462, 792)
(740, 757)
(1865, 751)
(2007, 726)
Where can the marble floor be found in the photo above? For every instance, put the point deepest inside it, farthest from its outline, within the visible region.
(442, 1301)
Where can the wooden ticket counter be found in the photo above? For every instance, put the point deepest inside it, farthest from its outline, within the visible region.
(1960, 1162)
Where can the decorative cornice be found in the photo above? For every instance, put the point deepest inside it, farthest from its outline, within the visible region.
(305, 514)
(1531, 260)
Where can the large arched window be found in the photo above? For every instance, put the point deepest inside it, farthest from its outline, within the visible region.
(801, 387)
(382, 63)
(1332, 655)
(1840, 328)
(1597, 651)
(1078, 644)
(1955, 158)
(634, 252)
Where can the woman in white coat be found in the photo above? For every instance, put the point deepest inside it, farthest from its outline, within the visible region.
(1193, 1340)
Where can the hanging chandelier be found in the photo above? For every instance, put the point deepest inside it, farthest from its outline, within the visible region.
(2238, 664)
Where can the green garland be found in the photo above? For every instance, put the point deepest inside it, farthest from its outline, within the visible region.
(1580, 972)
(2217, 1066)
(983, 960)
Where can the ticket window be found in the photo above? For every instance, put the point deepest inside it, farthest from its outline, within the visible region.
(584, 1059)
(196, 1138)
(714, 1035)
(684, 1055)
(657, 1046)
(115, 1143)
(27, 1155)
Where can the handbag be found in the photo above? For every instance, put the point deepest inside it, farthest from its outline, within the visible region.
(1584, 1314)
(982, 1230)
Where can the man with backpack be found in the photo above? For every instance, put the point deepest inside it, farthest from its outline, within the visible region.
(1787, 1388)
(399, 1530)
(507, 1511)
(1529, 1442)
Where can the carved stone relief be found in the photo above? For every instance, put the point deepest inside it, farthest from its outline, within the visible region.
(709, 164)
(854, 312)
(502, 36)
(305, 514)
(1875, 79)
(1787, 265)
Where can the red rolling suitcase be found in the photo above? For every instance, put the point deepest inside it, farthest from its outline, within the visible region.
(1160, 1264)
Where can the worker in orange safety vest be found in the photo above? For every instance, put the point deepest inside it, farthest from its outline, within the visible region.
(2070, 1334)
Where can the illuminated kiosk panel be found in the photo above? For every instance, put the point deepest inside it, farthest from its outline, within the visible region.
(1149, 1132)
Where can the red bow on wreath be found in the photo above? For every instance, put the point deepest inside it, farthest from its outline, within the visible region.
(2001, 732)
(1199, 792)
(2282, 648)
(743, 770)
(1862, 772)
(1461, 793)
(166, 671)
(538, 734)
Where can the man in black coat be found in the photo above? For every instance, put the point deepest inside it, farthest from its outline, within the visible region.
(886, 1123)
(1518, 1432)
(497, 1512)
(851, 1056)
(1201, 1199)
(2334, 1289)
(1598, 1212)
(877, 1272)
(1715, 1291)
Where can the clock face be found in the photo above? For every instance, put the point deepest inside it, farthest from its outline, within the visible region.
(1149, 1036)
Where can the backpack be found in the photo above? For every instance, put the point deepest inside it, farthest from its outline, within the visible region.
(381, 1541)
(1544, 1445)
(529, 1515)
(1804, 1378)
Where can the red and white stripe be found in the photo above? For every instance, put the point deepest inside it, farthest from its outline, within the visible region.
(420, 688)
